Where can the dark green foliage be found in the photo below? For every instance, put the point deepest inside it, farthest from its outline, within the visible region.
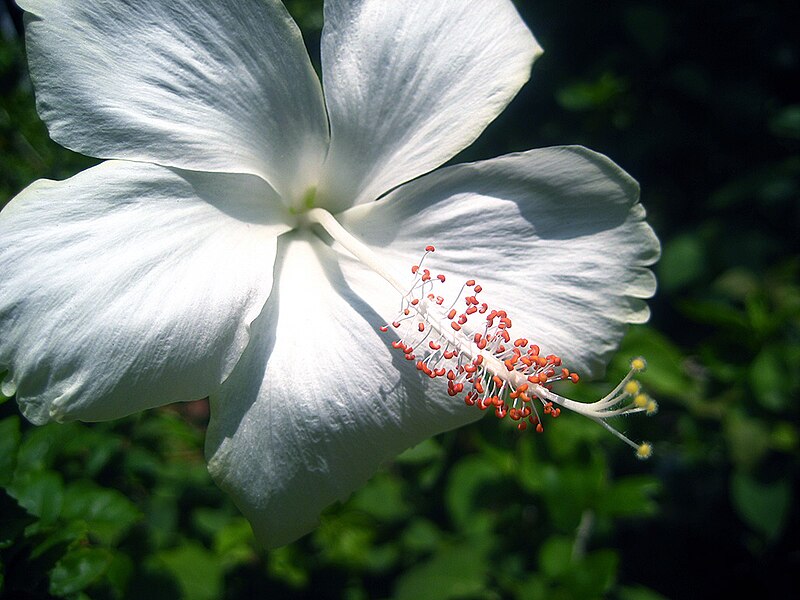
(694, 99)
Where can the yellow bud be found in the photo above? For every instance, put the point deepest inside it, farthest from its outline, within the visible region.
(644, 451)
(632, 388)
(641, 400)
(652, 408)
(638, 364)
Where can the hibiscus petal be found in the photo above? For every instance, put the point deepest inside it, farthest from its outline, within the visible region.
(131, 285)
(556, 237)
(196, 84)
(319, 398)
(409, 84)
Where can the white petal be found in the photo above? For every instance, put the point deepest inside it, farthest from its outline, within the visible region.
(318, 400)
(556, 237)
(196, 84)
(409, 84)
(131, 285)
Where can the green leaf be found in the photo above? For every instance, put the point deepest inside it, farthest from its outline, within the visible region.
(107, 513)
(468, 479)
(381, 498)
(765, 507)
(9, 442)
(453, 572)
(78, 569)
(422, 453)
(768, 379)
(40, 493)
(196, 570)
(682, 263)
(555, 557)
(13, 520)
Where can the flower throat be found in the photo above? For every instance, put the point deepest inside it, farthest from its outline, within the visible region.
(473, 351)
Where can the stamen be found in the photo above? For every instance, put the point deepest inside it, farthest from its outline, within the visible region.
(479, 356)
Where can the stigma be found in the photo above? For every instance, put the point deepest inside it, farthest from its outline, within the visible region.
(469, 346)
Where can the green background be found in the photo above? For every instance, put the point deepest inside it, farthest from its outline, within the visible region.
(697, 100)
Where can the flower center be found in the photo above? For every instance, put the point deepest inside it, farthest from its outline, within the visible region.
(472, 349)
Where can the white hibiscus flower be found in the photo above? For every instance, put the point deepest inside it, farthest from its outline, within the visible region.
(248, 237)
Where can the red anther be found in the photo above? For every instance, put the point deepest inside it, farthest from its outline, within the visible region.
(406, 312)
(526, 412)
(477, 337)
(513, 414)
(414, 269)
(574, 377)
(431, 297)
(500, 412)
(502, 314)
(410, 357)
(497, 401)
(439, 300)
(440, 371)
(395, 324)
(550, 373)
(509, 365)
(397, 344)
(519, 342)
(452, 313)
(472, 310)
(522, 426)
(451, 392)
(497, 381)
(501, 349)
(440, 277)
(483, 405)
(556, 361)
(526, 361)
(421, 327)
(384, 328)
(433, 345)
(556, 412)
(514, 395)
(522, 388)
(479, 387)
(455, 325)
(459, 387)
(478, 289)
(484, 308)
(505, 335)
(426, 275)
(451, 375)
(539, 428)
(534, 379)
(564, 373)
(533, 350)
(470, 368)
(478, 360)
(524, 397)
(430, 249)
(469, 400)
(420, 365)
(415, 301)
(470, 282)
(448, 354)
(462, 319)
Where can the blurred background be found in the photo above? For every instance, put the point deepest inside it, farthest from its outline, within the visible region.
(700, 102)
